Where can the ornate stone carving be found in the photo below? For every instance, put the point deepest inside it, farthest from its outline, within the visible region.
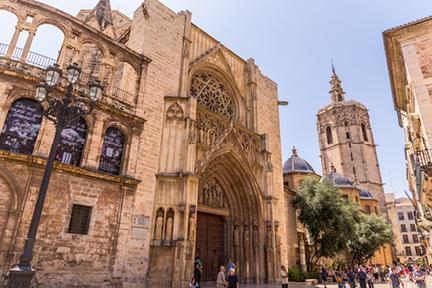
(212, 94)
(212, 195)
(103, 14)
(212, 130)
(236, 235)
(159, 224)
(192, 227)
(175, 113)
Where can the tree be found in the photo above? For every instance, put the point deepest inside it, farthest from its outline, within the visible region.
(370, 233)
(328, 219)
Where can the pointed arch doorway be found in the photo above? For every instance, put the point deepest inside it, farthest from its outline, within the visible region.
(229, 221)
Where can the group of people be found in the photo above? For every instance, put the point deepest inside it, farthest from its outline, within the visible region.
(223, 281)
(367, 276)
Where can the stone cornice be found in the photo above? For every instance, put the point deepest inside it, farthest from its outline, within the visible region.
(40, 162)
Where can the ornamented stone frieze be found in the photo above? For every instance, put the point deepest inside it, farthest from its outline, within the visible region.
(212, 195)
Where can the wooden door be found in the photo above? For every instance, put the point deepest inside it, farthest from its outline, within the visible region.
(209, 244)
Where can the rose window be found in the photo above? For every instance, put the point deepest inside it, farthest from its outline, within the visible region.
(212, 94)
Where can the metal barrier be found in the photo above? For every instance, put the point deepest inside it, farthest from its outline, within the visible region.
(34, 59)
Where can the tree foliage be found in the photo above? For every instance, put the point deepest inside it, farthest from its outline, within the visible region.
(327, 218)
(335, 226)
(370, 233)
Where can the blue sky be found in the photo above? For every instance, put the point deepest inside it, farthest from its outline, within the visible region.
(293, 43)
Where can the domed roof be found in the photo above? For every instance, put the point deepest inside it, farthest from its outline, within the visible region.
(297, 164)
(365, 194)
(339, 180)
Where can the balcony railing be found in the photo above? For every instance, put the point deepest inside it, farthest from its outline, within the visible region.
(34, 59)
(43, 62)
(425, 159)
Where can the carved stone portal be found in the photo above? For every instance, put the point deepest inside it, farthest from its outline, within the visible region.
(212, 195)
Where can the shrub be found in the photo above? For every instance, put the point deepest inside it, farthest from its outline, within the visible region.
(295, 275)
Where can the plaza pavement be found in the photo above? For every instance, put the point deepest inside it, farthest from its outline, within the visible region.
(303, 285)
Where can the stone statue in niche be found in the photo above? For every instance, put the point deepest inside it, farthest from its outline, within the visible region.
(159, 224)
(192, 220)
(256, 236)
(169, 225)
(236, 235)
(246, 237)
(269, 238)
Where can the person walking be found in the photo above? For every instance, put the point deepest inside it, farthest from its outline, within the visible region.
(233, 281)
(362, 277)
(419, 277)
(221, 279)
(394, 279)
(198, 269)
(324, 275)
(339, 279)
(351, 278)
(370, 277)
(284, 276)
(230, 265)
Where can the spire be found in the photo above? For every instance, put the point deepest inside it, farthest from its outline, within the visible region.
(336, 92)
(103, 14)
(294, 151)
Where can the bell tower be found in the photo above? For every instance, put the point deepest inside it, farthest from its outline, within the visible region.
(346, 141)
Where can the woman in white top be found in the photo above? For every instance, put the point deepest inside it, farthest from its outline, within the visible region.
(284, 276)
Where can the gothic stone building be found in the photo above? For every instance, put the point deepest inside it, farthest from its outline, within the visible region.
(181, 158)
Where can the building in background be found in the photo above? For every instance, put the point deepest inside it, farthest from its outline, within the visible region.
(181, 159)
(407, 239)
(409, 53)
(349, 161)
(348, 154)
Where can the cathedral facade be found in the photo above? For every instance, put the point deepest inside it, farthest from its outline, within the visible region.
(181, 159)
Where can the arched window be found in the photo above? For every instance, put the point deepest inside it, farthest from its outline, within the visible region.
(72, 143)
(364, 132)
(112, 151)
(41, 54)
(329, 135)
(21, 126)
(9, 22)
(125, 79)
(212, 94)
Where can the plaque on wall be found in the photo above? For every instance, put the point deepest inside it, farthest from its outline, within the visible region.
(140, 221)
(72, 143)
(112, 151)
(21, 127)
(139, 233)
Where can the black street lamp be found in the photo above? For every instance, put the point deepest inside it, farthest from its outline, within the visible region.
(63, 112)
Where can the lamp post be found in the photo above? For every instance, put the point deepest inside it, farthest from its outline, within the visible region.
(63, 112)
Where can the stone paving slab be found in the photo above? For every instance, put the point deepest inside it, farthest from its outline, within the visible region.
(303, 285)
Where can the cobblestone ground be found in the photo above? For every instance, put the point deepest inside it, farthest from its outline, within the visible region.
(302, 285)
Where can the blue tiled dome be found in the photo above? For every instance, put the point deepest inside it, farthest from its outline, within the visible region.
(296, 164)
(364, 194)
(339, 180)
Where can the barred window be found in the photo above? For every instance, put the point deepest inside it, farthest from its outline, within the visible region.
(112, 151)
(21, 127)
(72, 143)
(80, 219)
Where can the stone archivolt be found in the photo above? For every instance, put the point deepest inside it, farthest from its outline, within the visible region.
(212, 129)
